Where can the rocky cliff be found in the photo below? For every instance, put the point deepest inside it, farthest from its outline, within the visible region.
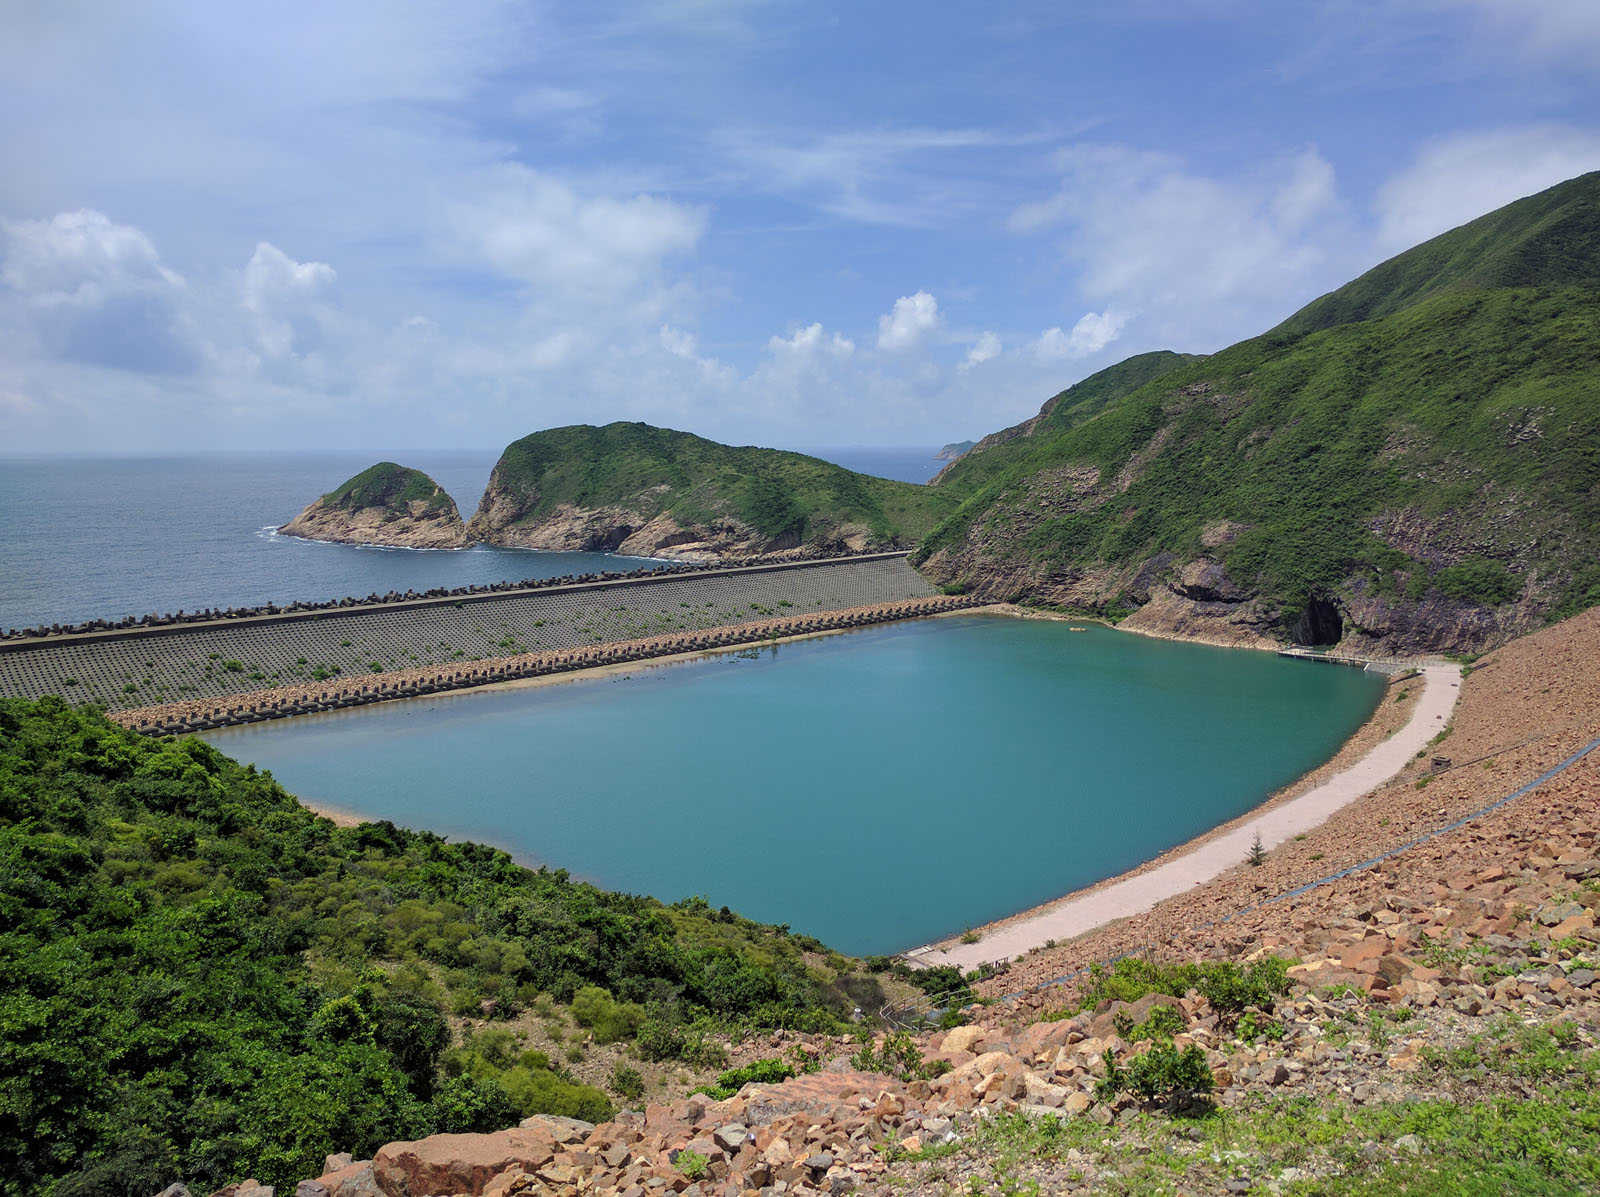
(654, 492)
(1406, 466)
(387, 504)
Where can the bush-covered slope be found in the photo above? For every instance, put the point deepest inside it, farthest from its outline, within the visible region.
(1424, 478)
(385, 504)
(649, 490)
(200, 978)
(388, 485)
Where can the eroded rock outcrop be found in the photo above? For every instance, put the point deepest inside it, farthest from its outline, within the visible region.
(387, 504)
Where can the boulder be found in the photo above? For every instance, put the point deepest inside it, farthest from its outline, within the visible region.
(962, 1039)
(459, 1163)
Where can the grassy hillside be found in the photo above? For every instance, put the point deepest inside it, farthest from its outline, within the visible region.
(199, 978)
(391, 486)
(785, 497)
(1429, 432)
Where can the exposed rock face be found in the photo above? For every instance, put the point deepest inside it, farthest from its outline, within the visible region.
(385, 505)
(506, 516)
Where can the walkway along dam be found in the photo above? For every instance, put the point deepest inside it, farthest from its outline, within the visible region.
(189, 677)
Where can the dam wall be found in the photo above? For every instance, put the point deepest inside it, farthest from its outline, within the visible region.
(341, 647)
(203, 714)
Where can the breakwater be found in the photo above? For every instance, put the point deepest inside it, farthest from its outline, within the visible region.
(128, 623)
(227, 660)
(202, 715)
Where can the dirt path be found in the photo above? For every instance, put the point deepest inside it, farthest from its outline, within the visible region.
(1073, 916)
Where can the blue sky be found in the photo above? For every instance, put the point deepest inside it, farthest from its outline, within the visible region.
(403, 224)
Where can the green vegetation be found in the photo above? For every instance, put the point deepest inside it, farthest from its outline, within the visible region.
(202, 979)
(788, 498)
(1228, 987)
(390, 486)
(769, 1071)
(1453, 384)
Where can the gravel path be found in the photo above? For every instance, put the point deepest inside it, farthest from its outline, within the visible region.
(1073, 916)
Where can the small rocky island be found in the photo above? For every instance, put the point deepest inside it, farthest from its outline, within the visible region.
(387, 504)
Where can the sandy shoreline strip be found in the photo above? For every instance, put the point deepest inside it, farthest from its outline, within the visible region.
(1221, 850)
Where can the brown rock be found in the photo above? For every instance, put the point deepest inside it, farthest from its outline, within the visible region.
(459, 1163)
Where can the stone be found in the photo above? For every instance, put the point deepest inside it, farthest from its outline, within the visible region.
(818, 1163)
(1075, 1103)
(1408, 1143)
(731, 1136)
(333, 1163)
(176, 1189)
(460, 1163)
(1581, 978)
(311, 1188)
(355, 1179)
(962, 1039)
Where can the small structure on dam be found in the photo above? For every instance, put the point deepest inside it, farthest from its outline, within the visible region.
(231, 659)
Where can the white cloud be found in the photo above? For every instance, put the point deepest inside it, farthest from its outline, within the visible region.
(96, 292)
(1196, 261)
(291, 302)
(679, 343)
(914, 317)
(985, 347)
(1456, 179)
(808, 341)
(596, 248)
(1092, 333)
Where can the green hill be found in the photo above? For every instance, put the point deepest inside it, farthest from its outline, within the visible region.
(651, 490)
(388, 485)
(1411, 463)
(205, 980)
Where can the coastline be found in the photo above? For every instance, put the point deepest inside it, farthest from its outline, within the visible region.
(1388, 718)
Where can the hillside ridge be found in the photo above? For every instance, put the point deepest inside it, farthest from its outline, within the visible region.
(1405, 466)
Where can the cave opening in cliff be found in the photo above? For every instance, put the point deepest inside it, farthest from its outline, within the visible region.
(1318, 625)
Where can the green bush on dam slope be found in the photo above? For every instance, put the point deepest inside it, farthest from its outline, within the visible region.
(200, 978)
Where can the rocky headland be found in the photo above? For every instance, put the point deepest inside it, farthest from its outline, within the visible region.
(387, 504)
(654, 492)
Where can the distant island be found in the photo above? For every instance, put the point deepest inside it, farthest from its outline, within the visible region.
(387, 504)
(954, 451)
(637, 490)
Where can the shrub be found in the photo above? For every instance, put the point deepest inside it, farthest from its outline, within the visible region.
(610, 1020)
(627, 1081)
(1167, 1075)
(1478, 580)
(691, 1163)
(769, 1071)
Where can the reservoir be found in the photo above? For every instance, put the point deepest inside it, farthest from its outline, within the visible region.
(878, 789)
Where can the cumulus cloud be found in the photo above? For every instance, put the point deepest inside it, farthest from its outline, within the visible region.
(1456, 179)
(96, 292)
(1092, 333)
(985, 347)
(290, 301)
(1197, 260)
(914, 317)
(597, 248)
(809, 341)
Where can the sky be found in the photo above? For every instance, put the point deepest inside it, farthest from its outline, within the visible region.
(400, 223)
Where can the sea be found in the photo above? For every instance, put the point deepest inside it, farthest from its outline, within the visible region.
(105, 537)
(878, 789)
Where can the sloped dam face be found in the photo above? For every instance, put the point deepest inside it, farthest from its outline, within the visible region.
(877, 789)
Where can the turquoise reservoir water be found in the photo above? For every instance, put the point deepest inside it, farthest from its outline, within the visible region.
(877, 789)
